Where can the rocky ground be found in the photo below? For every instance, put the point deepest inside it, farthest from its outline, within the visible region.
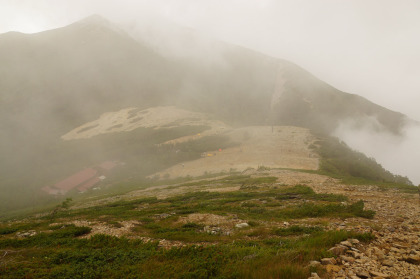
(396, 251)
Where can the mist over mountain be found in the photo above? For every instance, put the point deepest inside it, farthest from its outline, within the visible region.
(54, 81)
(92, 66)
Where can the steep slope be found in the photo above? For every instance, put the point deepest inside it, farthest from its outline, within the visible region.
(80, 71)
(269, 90)
(303, 100)
(55, 81)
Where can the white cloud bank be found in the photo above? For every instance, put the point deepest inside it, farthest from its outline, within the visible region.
(398, 154)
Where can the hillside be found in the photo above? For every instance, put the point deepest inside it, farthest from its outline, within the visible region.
(120, 149)
(91, 67)
(257, 147)
(74, 74)
(124, 157)
(271, 223)
(219, 202)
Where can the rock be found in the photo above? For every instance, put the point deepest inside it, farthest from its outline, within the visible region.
(413, 259)
(378, 253)
(346, 243)
(354, 241)
(163, 216)
(314, 263)
(26, 234)
(314, 275)
(391, 229)
(413, 252)
(331, 268)
(327, 261)
(355, 254)
(338, 250)
(379, 274)
(242, 225)
(347, 259)
(400, 246)
(286, 223)
(395, 250)
(387, 262)
(363, 274)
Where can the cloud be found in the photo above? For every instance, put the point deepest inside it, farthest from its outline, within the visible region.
(398, 154)
(368, 48)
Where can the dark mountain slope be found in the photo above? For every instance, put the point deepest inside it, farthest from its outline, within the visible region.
(77, 72)
(304, 100)
(90, 67)
(54, 81)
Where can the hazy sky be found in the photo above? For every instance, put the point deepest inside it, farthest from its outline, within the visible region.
(367, 47)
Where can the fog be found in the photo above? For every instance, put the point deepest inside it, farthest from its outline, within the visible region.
(368, 48)
(365, 48)
(399, 154)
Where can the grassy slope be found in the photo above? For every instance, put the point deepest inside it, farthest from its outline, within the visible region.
(340, 161)
(21, 179)
(262, 249)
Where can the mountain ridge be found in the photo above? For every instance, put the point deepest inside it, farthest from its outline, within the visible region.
(80, 56)
(54, 81)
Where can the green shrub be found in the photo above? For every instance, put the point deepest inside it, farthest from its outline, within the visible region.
(296, 230)
(339, 160)
(7, 230)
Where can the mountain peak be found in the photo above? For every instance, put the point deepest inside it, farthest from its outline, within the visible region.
(95, 23)
(95, 19)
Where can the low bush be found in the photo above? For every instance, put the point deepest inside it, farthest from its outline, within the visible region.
(296, 230)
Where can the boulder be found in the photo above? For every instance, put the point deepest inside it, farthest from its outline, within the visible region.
(332, 268)
(388, 262)
(347, 259)
(354, 241)
(314, 275)
(242, 225)
(346, 243)
(362, 274)
(327, 261)
(413, 259)
(338, 250)
(314, 263)
(379, 274)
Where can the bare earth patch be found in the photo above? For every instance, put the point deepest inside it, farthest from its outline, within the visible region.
(272, 147)
(104, 228)
(205, 219)
(129, 119)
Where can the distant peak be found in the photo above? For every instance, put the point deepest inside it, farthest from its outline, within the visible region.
(95, 19)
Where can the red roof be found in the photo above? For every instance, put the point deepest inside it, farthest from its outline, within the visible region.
(76, 179)
(89, 184)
